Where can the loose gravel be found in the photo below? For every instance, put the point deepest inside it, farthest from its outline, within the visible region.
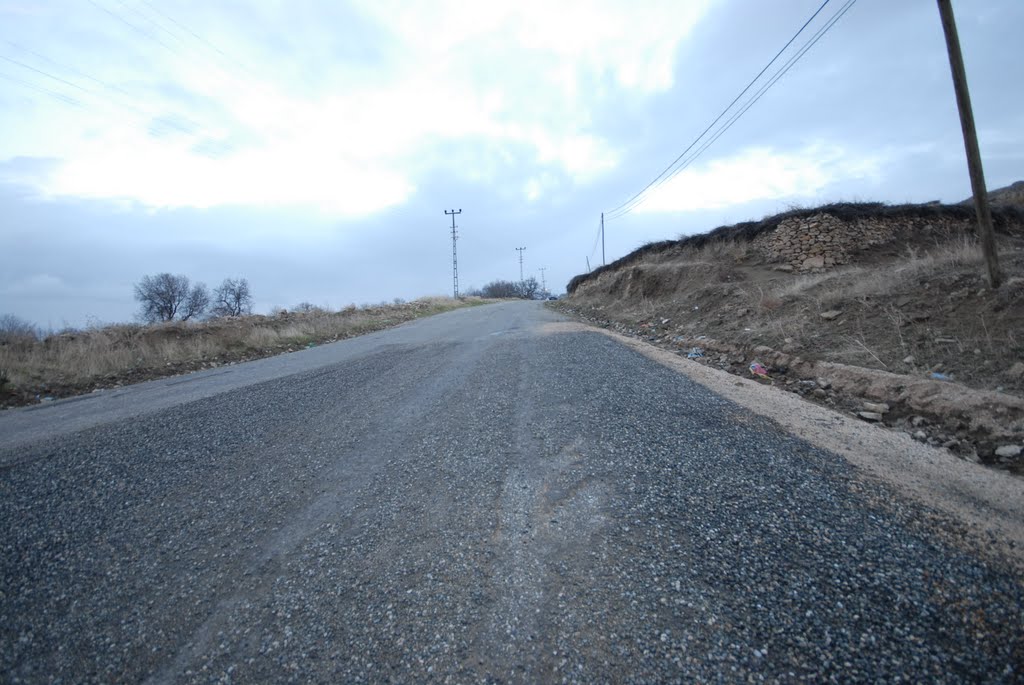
(487, 505)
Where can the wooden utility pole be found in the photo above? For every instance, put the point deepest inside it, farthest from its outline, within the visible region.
(602, 240)
(963, 103)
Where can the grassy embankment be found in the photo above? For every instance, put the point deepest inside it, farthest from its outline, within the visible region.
(906, 329)
(915, 306)
(76, 362)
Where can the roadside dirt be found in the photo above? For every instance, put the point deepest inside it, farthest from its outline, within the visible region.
(907, 333)
(988, 503)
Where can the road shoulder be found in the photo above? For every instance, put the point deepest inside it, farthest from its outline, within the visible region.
(987, 503)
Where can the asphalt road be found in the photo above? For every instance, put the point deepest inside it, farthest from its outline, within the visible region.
(468, 499)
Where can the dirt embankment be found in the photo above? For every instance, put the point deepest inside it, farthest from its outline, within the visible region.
(881, 312)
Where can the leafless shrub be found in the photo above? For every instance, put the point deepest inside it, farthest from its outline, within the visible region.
(898, 321)
(310, 308)
(767, 301)
(16, 329)
(526, 289)
(861, 344)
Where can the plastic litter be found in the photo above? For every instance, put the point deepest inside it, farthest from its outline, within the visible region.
(940, 376)
(695, 353)
(758, 370)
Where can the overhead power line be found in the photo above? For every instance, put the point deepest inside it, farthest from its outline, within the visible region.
(150, 20)
(48, 75)
(681, 161)
(191, 55)
(597, 240)
(202, 40)
(67, 99)
(209, 56)
(133, 26)
(122, 98)
(65, 67)
(667, 169)
(228, 66)
(757, 96)
(180, 123)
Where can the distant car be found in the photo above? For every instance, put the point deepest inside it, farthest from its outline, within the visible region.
(553, 297)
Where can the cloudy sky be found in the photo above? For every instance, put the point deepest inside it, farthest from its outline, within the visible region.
(312, 146)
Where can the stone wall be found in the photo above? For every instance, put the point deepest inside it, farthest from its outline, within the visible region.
(815, 243)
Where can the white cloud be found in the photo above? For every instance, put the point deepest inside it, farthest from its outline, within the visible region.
(37, 284)
(509, 73)
(533, 189)
(163, 176)
(760, 173)
(635, 42)
(538, 186)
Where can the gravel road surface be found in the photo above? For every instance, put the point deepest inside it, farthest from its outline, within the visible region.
(469, 499)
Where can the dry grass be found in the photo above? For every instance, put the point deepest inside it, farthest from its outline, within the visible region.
(1005, 218)
(73, 362)
(925, 309)
(859, 281)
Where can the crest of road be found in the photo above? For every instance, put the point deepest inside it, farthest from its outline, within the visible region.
(487, 495)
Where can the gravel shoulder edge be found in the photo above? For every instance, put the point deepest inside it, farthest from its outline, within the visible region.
(989, 503)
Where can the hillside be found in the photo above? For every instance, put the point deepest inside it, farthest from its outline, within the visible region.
(1010, 196)
(882, 311)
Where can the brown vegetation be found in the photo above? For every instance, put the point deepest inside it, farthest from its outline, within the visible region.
(76, 362)
(914, 306)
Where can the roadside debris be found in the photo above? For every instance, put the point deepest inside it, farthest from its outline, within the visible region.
(759, 371)
(929, 406)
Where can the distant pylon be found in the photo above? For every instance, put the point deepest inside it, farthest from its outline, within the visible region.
(455, 256)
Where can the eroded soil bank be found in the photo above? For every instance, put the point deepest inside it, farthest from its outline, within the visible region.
(882, 313)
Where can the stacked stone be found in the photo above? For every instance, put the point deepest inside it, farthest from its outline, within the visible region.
(815, 243)
(809, 243)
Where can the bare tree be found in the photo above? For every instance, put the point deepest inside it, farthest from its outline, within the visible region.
(232, 298)
(500, 289)
(16, 329)
(196, 303)
(166, 297)
(528, 288)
